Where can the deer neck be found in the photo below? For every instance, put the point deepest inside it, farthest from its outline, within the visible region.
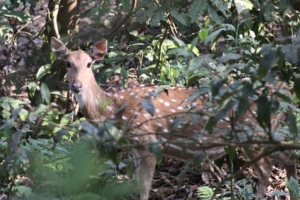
(95, 103)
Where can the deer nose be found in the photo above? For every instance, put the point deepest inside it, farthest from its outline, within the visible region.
(76, 86)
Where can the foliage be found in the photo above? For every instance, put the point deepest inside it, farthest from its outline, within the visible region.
(212, 43)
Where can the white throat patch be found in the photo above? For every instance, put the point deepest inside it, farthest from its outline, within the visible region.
(81, 99)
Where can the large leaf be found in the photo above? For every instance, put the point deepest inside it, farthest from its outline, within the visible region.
(45, 92)
(148, 105)
(154, 148)
(263, 111)
(5, 30)
(243, 5)
(21, 16)
(297, 87)
(43, 70)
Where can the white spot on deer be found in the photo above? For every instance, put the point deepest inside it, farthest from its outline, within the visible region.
(227, 119)
(116, 95)
(109, 108)
(172, 110)
(122, 97)
(138, 123)
(137, 113)
(180, 108)
(146, 127)
(179, 126)
(171, 120)
(172, 88)
(136, 139)
(134, 86)
(81, 99)
(122, 91)
(165, 130)
(112, 116)
(160, 100)
(174, 100)
(194, 104)
(190, 88)
(146, 115)
(159, 124)
(108, 94)
(167, 104)
(142, 85)
(131, 93)
(124, 117)
(157, 110)
(156, 86)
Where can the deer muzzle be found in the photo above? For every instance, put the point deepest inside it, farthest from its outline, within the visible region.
(76, 87)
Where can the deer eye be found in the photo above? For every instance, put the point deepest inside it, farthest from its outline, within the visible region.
(89, 64)
(68, 64)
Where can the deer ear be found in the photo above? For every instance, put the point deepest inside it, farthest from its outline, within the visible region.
(59, 49)
(99, 49)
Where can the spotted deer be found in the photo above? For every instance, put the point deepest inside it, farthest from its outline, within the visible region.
(171, 124)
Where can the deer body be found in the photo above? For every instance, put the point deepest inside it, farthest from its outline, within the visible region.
(160, 127)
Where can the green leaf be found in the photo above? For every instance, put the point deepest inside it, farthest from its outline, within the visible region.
(269, 59)
(203, 34)
(26, 192)
(293, 186)
(243, 5)
(45, 69)
(231, 152)
(124, 75)
(156, 18)
(154, 148)
(45, 92)
(197, 9)
(216, 84)
(293, 125)
(213, 35)
(148, 105)
(297, 87)
(6, 32)
(179, 17)
(228, 57)
(21, 16)
(263, 111)
(210, 124)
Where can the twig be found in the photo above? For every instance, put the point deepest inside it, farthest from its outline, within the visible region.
(114, 31)
(160, 46)
(54, 18)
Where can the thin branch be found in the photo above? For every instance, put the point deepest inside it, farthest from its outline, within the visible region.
(160, 46)
(54, 18)
(115, 30)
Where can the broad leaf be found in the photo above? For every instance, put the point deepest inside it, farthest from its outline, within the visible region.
(45, 92)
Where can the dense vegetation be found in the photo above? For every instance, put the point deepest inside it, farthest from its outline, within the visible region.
(191, 43)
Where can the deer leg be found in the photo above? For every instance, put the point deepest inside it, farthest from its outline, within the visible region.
(263, 168)
(144, 163)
